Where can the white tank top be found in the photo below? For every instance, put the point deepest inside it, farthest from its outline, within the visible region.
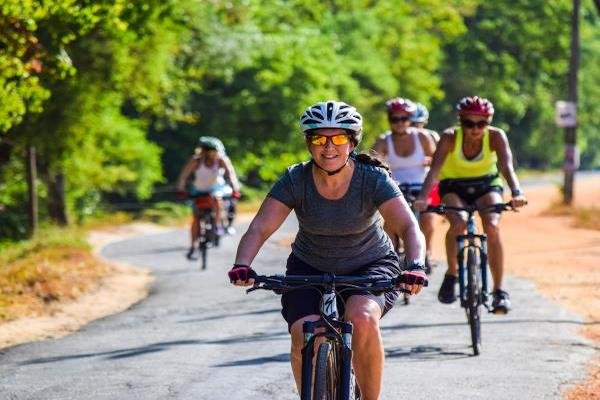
(205, 178)
(407, 169)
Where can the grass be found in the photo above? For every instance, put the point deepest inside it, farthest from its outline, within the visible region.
(56, 265)
(583, 217)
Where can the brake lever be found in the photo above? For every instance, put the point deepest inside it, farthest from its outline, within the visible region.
(253, 288)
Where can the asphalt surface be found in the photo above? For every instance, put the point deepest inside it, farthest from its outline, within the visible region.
(197, 337)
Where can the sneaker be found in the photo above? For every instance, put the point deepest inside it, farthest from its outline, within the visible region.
(447, 293)
(220, 231)
(230, 230)
(500, 302)
(190, 254)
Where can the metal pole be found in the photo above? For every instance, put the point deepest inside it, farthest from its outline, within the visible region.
(571, 133)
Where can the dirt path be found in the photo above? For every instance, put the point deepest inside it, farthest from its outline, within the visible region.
(547, 250)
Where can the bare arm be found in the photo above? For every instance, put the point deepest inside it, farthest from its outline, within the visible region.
(187, 169)
(428, 144)
(403, 223)
(269, 218)
(380, 145)
(230, 175)
(499, 143)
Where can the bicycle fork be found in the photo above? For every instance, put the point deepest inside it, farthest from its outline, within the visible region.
(483, 263)
(335, 330)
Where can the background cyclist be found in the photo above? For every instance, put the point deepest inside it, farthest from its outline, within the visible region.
(467, 161)
(339, 199)
(408, 152)
(211, 172)
(420, 119)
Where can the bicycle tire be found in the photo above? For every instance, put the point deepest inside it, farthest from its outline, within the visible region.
(203, 239)
(327, 373)
(473, 308)
(203, 255)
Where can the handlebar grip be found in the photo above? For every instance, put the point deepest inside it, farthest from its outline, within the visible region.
(402, 279)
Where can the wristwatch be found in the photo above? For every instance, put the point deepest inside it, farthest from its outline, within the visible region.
(515, 192)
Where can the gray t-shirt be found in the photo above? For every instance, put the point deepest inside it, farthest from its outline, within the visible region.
(338, 235)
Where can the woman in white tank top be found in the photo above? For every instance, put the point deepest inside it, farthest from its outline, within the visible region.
(212, 173)
(408, 152)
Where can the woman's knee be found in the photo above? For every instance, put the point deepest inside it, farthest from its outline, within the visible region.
(364, 323)
(457, 225)
(491, 227)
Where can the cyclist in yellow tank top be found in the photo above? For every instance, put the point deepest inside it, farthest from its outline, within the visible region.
(467, 161)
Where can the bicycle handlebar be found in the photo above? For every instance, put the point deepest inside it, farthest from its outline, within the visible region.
(500, 207)
(283, 282)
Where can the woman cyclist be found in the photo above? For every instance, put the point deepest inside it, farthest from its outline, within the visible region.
(408, 151)
(467, 161)
(339, 199)
(420, 119)
(213, 174)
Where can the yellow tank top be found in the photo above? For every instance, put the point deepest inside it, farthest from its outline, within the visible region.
(456, 165)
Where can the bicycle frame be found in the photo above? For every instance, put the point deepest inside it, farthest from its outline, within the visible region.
(464, 242)
(337, 331)
(472, 275)
(334, 330)
(206, 220)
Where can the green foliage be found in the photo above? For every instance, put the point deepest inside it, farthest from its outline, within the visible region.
(517, 55)
(260, 64)
(88, 83)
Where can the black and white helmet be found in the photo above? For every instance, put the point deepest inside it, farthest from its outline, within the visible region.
(332, 114)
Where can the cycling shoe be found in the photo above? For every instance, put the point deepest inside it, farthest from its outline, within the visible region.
(500, 302)
(447, 293)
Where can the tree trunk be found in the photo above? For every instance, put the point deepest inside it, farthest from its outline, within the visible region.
(57, 206)
(32, 209)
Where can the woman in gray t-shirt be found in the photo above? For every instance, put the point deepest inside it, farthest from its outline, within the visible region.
(339, 200)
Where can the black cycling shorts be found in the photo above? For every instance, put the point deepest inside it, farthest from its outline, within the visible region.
(470, 189)
(299, 303)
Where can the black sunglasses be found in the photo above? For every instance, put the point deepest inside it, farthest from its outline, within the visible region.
(403, 118)
(467, 123)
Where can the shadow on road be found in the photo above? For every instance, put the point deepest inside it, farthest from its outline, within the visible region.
(279, 358)
(157, 347)
(230, 315)
(503, 321)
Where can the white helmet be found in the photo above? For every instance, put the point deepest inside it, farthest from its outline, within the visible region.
(333, 114)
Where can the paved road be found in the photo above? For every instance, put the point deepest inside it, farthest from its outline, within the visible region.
(197, 337)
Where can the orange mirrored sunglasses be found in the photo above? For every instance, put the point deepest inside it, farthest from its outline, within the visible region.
(338, 140)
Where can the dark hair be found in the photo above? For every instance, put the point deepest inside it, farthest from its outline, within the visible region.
(373, 158)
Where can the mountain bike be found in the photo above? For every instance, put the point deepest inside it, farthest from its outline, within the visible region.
(333, 374)
(473, 269)
(208, 235)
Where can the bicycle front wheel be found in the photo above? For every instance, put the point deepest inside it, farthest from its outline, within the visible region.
(473, 308)
(327, 375)
(203, 242)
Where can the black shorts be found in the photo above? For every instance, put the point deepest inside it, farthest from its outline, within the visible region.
(306, 301)
(470, 189)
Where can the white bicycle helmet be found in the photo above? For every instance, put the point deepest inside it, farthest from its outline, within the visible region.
(332, 114)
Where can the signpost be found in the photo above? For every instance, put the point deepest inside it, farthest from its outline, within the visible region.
(568, 110)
